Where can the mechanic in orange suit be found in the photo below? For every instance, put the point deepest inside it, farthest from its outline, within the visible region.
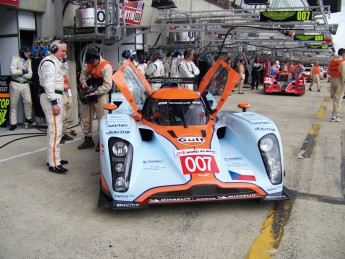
(315, 76)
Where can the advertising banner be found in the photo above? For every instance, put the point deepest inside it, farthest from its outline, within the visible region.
(4, 100)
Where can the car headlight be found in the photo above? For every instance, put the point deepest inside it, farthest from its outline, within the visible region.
(121, 156)
(270, 153)
(120, 149)
(266, 144)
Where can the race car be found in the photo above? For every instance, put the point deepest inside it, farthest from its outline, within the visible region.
(285, 83)
(174, 145)
(306, 73)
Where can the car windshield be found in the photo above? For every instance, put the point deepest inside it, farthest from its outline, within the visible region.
(135, 86)
(283, 78)
(175, 112)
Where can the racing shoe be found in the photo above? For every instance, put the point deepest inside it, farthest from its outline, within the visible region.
(66, 137)
(63, 162)
(59, 169)
(88, 143)
(336, 118)
(29, 123)
(13, 127)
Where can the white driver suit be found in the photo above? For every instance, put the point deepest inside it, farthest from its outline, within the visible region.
(188, 69)
(50, 72)
(19, 85)
(155, 69)
(173, 67)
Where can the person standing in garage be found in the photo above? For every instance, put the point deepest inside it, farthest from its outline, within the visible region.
(336, 69)
(51, 74)
(21, 73)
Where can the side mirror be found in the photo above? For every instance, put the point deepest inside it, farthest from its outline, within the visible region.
(243, 106)
(109, 106)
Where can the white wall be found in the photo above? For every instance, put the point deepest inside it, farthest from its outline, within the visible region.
(9, 44)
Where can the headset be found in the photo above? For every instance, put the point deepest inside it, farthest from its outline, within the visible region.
(54, 46)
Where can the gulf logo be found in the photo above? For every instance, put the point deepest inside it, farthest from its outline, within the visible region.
(191, 140)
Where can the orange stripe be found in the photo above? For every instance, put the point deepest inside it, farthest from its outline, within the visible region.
(104, 183)
(4, 95)
(54, 146)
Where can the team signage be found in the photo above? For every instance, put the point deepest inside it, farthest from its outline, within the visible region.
(316, 46)
(132, 12)
(10, 2)
(285, 16)
(303, 37)
(4, 101)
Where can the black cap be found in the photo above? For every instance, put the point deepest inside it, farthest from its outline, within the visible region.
(25, 49)
(91, 55)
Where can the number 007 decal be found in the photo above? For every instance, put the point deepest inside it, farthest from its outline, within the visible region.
(195, 164)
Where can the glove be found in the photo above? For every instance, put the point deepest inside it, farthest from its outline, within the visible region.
(25, 71)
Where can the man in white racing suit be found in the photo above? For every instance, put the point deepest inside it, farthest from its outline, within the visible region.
(187, 68)
(155, 68)
(52, 87)
(21, 73)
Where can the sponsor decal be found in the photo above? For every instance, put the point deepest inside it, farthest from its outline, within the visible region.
(223, 197)
(261, 123)
(243, 175)
(274, 197)
(155, 161)
(124, 196)
(185, 152)
(191, 140)
(227, 159)
(127, 205)
(197, 161)
(273, 189)
(117, 121)
(115, 132)
(264, 129)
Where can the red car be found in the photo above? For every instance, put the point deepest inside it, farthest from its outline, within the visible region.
(307, 73)
(285, 83)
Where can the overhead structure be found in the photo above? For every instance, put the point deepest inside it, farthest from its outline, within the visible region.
(282, 33)
(293, 33)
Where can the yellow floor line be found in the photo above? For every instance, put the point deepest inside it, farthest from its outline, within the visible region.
(265, 245)
(322, 110)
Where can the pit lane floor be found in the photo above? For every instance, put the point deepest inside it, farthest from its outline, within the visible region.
(44, 215)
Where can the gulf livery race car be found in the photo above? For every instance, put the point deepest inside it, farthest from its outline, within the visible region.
(285, 83)
(174, 145)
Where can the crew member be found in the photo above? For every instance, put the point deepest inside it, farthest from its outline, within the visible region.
(242, 72)
(142, 65)
(155, 68)
(336, 70)
(175, 60)
(315, 76)
(51, 79)
(128, 54)
(187, 68)
(258, 67)
(96, 77)
(67, 100)
(21, 73)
